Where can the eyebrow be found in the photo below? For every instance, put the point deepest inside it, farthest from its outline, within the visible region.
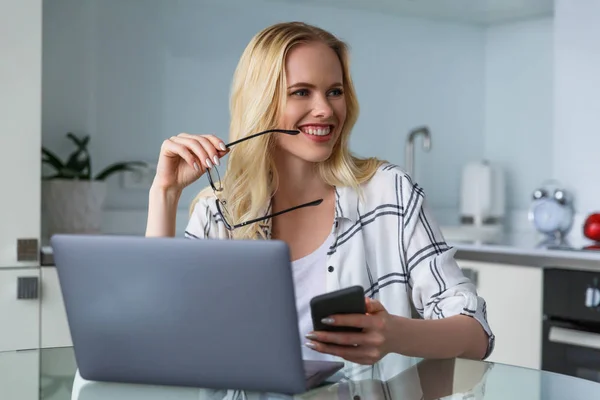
(310, 85)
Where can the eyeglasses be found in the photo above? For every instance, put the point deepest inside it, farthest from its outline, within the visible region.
(215, 182)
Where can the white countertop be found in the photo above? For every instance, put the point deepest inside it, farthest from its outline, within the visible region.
(529, 249)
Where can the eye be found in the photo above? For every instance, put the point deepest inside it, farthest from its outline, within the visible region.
(300, 93)
(336, 92)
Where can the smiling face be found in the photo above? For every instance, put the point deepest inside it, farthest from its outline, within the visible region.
(315, 102)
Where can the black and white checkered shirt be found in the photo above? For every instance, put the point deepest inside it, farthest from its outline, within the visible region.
(388, 243)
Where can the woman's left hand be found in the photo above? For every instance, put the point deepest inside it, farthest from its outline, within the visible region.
(366, 347)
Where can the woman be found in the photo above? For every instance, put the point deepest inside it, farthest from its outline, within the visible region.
(347, 221)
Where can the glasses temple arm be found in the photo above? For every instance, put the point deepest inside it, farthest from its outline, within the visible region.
(252, 221)
(287, 132)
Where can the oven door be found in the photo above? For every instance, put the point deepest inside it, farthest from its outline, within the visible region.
(572, 349)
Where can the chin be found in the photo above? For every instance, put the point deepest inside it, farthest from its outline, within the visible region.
(310, 156)
(318, 158)
(314, 155)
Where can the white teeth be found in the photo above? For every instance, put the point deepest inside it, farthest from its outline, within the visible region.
(317, 131)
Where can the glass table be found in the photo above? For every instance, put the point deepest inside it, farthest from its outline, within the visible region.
(35, 374)
(57, 372)
(395, 377)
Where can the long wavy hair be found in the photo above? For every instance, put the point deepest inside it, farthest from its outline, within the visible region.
(258, 95)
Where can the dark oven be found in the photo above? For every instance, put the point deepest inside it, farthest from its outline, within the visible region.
(571, 326)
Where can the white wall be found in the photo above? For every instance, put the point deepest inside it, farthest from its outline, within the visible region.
(20, 123)
(134, 73)
(519, 105)
(522, 94)
(577, 108)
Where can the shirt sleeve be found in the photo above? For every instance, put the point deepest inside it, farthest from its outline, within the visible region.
(202, 224)
(439, 287)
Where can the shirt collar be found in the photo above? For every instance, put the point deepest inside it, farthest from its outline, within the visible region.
(346, 203)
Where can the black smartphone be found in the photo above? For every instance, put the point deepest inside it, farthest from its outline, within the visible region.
(350, 300)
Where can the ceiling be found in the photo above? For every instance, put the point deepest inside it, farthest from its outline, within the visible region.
(480, 12)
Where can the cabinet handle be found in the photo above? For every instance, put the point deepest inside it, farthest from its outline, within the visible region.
(574, 338)
(27, 249)
(472, 275)
(27, 288)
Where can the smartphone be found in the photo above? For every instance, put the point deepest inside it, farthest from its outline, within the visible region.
(350, 300)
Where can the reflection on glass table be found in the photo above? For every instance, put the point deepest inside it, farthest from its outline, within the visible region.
(57, 370)
(424, 379)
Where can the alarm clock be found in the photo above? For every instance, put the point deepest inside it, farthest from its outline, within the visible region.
(552, 211)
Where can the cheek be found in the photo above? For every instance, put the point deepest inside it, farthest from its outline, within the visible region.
(340, 111)
(288, 118)
(286, 141)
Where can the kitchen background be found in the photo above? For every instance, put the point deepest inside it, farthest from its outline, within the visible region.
(513, 81)
(494, 83)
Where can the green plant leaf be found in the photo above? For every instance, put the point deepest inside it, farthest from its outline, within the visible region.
(118, 167)
(51, 159)
(79, 162)
(67, 173)
(81, 143)
(78, 165)
(58, 176)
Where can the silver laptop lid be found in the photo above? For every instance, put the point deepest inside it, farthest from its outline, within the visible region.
(205, 313)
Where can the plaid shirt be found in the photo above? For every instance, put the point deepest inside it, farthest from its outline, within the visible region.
(388, 243)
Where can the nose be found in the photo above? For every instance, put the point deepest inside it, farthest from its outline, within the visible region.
(321, 107)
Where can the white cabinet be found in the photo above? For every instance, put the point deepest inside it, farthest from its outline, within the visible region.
(514, 309)
(19, 375)
(19, 318)
(19, 333)
(20, 129)
(20, 172)
(54, 328)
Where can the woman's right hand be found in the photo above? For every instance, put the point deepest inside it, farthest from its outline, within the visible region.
(185, 158)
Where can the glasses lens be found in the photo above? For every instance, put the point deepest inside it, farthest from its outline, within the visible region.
(215, 179)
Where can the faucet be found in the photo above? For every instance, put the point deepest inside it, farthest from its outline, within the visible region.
(410, 147)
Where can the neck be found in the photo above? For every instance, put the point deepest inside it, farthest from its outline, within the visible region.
(299, 183)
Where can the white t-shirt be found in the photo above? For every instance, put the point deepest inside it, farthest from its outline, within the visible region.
(310, 281)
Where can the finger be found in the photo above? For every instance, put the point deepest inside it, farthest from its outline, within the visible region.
(171, 148)
(210, 149)
(374, 306)
(196, 148)
(361, 355)
(211, 145)
(339, 338)
(218, 143)
(367, 338)
(353, 320)
(219, 146)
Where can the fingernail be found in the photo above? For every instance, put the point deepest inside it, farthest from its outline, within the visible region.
(208, 163)
(311, 336)
(216, 160)
(310, 345)
(196, 167)
(327, 320)
(222, 146)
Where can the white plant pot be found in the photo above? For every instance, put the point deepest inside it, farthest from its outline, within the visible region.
(73, 206)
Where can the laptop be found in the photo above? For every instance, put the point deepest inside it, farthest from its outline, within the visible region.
(215, 314)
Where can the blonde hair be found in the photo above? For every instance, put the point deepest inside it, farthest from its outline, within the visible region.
(257, 97)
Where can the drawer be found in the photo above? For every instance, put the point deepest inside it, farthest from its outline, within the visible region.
(20, 323)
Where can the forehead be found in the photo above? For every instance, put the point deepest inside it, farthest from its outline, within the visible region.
(314, 63)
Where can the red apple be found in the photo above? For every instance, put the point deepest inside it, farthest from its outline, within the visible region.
(591, 227)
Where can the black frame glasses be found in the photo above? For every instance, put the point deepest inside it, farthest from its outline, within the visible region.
(215, 182)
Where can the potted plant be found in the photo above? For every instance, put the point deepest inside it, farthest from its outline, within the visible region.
(72, 197)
